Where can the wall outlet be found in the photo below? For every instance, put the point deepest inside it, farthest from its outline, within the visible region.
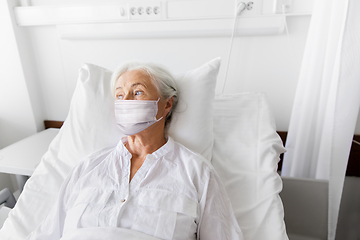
(145, 10)
(278, 6)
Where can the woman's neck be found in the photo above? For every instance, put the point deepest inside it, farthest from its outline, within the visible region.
(145, 142)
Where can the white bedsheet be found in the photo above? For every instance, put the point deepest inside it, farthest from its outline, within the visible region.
(105, 233)
(245, 155)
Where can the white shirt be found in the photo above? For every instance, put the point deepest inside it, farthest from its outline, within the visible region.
(176, 194)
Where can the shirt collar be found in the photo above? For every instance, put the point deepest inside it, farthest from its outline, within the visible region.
(167, 147)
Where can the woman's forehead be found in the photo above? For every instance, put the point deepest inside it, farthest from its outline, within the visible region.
(134, 77)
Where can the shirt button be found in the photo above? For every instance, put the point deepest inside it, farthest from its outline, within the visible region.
(123, 200)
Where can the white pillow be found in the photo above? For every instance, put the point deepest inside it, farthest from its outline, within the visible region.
(91, 126)
(192, 122)
(245, 155)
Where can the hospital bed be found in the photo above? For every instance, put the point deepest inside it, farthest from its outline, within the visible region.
(236, 132)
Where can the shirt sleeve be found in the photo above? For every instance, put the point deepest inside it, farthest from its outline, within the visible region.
(218, 220)
(53, 224)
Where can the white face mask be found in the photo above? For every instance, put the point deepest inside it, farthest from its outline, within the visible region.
(134, 116)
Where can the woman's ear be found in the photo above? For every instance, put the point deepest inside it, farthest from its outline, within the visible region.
(169, 104)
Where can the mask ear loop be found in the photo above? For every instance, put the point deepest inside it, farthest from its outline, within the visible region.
(157, 120)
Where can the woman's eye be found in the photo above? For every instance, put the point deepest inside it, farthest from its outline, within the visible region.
(119, 97)
(138, 93)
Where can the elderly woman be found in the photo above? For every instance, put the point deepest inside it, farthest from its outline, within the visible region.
(149, 183)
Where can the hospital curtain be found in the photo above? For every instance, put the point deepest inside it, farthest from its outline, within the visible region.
(327, 100)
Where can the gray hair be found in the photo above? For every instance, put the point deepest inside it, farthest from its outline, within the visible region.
(161, 77)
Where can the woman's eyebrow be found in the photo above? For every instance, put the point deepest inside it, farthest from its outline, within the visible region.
(132, 85)
(136, 84)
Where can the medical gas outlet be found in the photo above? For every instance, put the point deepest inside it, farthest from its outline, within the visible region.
(251, 8)
(148, 10)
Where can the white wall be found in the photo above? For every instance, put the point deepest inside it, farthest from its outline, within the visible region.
(16, 112)
(268, 64)
(258, 63)
(17, 115)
